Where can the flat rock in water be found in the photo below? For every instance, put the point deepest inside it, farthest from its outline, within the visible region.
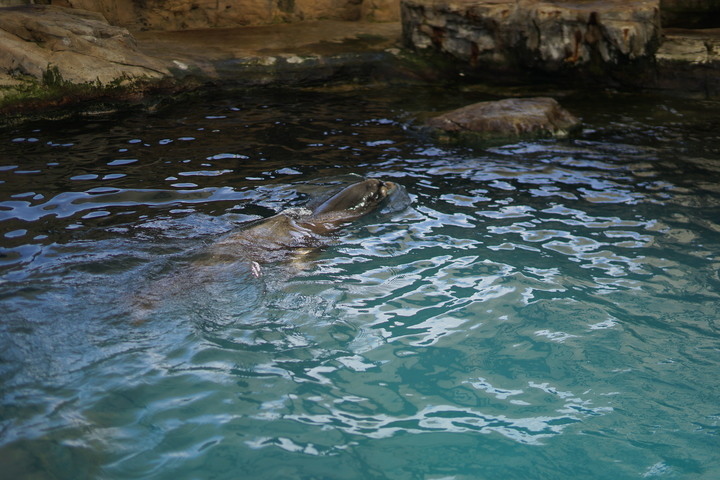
(513, 117)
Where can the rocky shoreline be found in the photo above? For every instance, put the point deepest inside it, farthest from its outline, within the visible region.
(618, 43)
(57, 56)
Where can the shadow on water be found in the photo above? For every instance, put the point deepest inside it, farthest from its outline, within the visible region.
(542, 309)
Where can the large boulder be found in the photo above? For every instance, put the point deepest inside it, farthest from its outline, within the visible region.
(508, 118)
(75, 45)
(543, 35)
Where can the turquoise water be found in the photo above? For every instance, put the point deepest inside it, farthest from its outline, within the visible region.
(543, 309)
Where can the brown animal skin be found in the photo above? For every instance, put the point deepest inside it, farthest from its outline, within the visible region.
(295, 230)
(290, 235)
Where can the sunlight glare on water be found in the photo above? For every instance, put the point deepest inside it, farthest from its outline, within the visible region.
(540, 309)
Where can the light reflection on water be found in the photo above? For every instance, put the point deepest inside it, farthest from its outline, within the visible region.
(558, 297)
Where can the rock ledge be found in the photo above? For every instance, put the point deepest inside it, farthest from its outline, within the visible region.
(80, 45)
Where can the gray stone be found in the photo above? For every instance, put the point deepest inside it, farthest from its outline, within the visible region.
(514, 117)
(543, 35)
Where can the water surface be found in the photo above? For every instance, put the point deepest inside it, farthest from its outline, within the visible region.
(542, 309)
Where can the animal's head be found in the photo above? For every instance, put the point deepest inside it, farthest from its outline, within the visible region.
(358, 199)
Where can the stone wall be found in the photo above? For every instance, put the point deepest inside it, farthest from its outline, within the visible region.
(195, 14)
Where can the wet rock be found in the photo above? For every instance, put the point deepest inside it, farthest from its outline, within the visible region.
(688, 62)
(53, 57)
(73, 45)
(291, 53)
(514, 117)
(543, 35)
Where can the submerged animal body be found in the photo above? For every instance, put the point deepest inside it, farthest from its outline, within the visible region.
(296, 230)
(289, 235)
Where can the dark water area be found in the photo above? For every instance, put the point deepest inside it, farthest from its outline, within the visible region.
(544, 309)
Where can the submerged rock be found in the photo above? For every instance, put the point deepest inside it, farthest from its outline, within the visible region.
(513, 117)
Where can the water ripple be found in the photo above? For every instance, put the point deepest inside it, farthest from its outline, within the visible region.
(541, 306)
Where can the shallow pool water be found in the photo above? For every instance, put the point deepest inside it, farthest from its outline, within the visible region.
(543, 309)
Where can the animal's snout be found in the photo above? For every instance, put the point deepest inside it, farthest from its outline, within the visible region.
(386, 188)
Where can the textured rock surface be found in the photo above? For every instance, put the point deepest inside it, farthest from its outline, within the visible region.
(513, 117)
(544, 35)
(187, 14)
(52, 57)
(688, 62)
(80, 45)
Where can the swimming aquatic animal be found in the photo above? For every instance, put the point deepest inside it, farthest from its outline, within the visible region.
(289, 235)
(297, 230)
